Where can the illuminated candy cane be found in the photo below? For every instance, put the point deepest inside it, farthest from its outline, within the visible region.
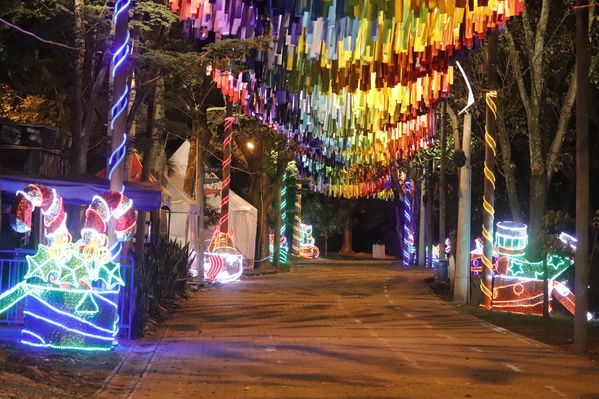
(45, 198)
(216, 265)
(111, 204)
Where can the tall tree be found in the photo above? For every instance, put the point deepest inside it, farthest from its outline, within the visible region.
(526, 44)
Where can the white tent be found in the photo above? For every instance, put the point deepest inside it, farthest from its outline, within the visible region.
(183, 216)
(243, 216)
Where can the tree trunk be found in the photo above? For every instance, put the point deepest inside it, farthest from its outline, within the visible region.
(255, 198)
(442, 187)
(199, 196)
(277, 228)
(267, 197)
(489, 171)
(538, 203)
(509, 168)
(263, 235)
(462, 267)
(146, 171)
(346, 246)
(429, 216)
(151, 166)
(132, 132)
(455, 128)
(422, 224)
(78, 152)
(191, 171)
(400, 223)
(582, 179)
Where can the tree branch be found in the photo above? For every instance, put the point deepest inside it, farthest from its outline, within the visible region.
(527, 31)
(93, 95)
(536, 63)
(560, 132)
(564, 118)
(454, 127)
(517, 71)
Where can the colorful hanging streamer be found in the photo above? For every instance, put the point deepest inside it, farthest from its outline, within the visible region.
(354, 82)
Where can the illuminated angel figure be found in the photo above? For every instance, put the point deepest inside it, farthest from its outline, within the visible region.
(71, 288)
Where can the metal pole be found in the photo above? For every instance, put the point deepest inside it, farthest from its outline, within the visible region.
(462, 267)
(582, 178)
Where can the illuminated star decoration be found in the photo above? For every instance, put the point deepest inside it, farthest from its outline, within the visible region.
(41, 265)
(110, 273)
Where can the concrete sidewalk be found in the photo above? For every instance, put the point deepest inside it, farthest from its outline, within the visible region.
(344, 332)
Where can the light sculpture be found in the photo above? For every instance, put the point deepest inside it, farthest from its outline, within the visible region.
(283, 248)
(518, 283)
(476, 257)
(436, 250)
(222, 262)
(71, 288)
(307, 247)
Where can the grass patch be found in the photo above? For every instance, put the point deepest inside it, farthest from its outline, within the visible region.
(556, 331)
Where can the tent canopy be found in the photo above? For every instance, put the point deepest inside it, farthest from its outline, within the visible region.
(80, 189)
(243, 216)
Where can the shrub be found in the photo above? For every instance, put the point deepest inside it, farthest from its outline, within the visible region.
(161, 279)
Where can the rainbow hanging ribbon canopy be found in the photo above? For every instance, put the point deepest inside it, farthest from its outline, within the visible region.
(71, 288)
(353, 82)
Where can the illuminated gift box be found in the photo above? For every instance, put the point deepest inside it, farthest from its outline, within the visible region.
(70, 319)
(518, 283)
(71, 288)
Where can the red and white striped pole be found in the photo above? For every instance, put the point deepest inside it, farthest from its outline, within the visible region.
(225, 192)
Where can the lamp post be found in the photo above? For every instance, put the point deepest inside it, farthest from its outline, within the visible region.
(582, 177)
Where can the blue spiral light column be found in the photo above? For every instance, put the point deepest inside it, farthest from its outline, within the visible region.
(117, 127)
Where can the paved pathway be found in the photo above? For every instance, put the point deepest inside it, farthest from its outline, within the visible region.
(347, 332)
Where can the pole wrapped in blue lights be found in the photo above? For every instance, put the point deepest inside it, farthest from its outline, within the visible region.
(117, 127)
(408, 248)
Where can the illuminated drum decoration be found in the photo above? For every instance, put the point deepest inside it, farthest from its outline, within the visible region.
(71, 288)
(518, 283)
